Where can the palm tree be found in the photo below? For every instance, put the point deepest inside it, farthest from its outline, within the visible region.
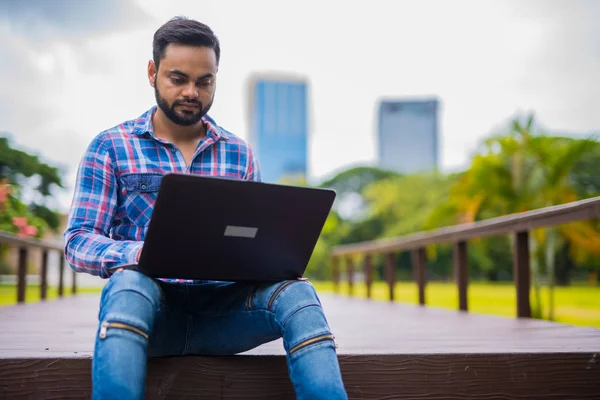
(556, 159)
(517, 172)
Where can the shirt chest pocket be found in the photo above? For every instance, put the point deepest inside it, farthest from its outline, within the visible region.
(139, 191)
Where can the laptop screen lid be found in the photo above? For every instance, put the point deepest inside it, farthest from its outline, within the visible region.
(210, 228)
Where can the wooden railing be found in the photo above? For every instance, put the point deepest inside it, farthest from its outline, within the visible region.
(518, 225)
(24, 245)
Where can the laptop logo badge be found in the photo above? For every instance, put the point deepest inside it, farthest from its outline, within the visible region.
(240, 231)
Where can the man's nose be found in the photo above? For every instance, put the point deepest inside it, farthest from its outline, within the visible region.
(190, 91)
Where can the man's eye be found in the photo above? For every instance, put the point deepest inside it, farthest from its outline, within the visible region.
(205, 83)
(176, 80)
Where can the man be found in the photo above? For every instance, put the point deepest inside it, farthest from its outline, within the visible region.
(116, 187)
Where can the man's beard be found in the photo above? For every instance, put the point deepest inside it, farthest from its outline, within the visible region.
(181, 117)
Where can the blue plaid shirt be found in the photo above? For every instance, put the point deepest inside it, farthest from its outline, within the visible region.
(117, 185)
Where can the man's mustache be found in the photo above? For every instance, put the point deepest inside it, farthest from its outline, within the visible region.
(196, 102)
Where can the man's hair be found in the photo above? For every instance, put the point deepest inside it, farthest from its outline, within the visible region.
(182, 30)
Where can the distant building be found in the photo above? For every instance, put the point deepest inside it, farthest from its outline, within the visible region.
(407, 134)
(278, 126)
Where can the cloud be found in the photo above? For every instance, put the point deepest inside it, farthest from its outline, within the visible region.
(562, 68)
(43, 20)
(45, 42)
(80, 68)
(46, 46)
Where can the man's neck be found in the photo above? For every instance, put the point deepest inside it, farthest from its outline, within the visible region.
(165, 129)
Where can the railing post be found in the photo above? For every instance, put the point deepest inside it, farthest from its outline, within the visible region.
(61, 271)
(335, 274)
(521, 272)
(22, 275)
(390, 272)
(44, 275)
(350, 273)
(461, 271)
(368, 268)
(74, 288)
(419, 261)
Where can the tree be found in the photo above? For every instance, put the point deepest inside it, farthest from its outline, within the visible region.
(400, 205)
(319, 265)
(350, 185)
(18, 170)
(584, 174)
(521, 171)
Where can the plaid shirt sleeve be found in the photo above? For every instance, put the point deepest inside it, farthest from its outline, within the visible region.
(253, 172)
(88, 246)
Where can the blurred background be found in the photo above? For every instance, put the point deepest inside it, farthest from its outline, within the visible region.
(420, 114)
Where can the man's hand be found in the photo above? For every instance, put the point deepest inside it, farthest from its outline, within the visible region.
(137, 260)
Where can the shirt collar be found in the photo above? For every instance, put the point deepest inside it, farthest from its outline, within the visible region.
(143, 125)
(214, 129)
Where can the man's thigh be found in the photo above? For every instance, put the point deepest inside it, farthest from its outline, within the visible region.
(230, 318)
(168, 337)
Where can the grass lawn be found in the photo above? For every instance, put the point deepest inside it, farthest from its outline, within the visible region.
(8, 293)
(575, 305)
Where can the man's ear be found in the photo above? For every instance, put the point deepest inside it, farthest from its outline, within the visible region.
(152, 73)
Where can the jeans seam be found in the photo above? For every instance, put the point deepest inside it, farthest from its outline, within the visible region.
(273, 299)
(296, 311)
(290, 284)
(304, 339)
(312, 345)
(190, 318)
(138, 292)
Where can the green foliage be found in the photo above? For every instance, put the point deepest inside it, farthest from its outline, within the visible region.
(519, 170)
(19, 169)
(50, 217)
(338, 230)
(584, 174)
(319, 266)
(16, 165)
(401, 204)
(355, 180)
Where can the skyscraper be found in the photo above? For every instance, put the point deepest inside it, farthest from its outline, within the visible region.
(278, 122)
(407, 135)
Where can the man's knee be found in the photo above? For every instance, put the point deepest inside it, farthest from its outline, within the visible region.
(130, 289)
(298, 310)
(130, 299)
(134, 282)
(292, 296)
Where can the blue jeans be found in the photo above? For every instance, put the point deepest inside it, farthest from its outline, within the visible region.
(142, 317)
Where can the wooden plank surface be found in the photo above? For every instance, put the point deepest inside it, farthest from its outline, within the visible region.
(66, 328)
(433, 376)
(386, 350)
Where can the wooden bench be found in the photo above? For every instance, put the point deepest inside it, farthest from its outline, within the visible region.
(386, 350)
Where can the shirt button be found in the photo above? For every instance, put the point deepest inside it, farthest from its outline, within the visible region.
(144, 187)
(174, 150)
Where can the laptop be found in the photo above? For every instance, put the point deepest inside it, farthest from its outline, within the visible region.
(214, 228)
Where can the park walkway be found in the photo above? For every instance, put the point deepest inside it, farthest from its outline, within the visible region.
(386, 350)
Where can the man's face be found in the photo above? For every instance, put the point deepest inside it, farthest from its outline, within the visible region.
(185, 82)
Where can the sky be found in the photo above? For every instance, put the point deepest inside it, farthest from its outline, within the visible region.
(71, 69)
